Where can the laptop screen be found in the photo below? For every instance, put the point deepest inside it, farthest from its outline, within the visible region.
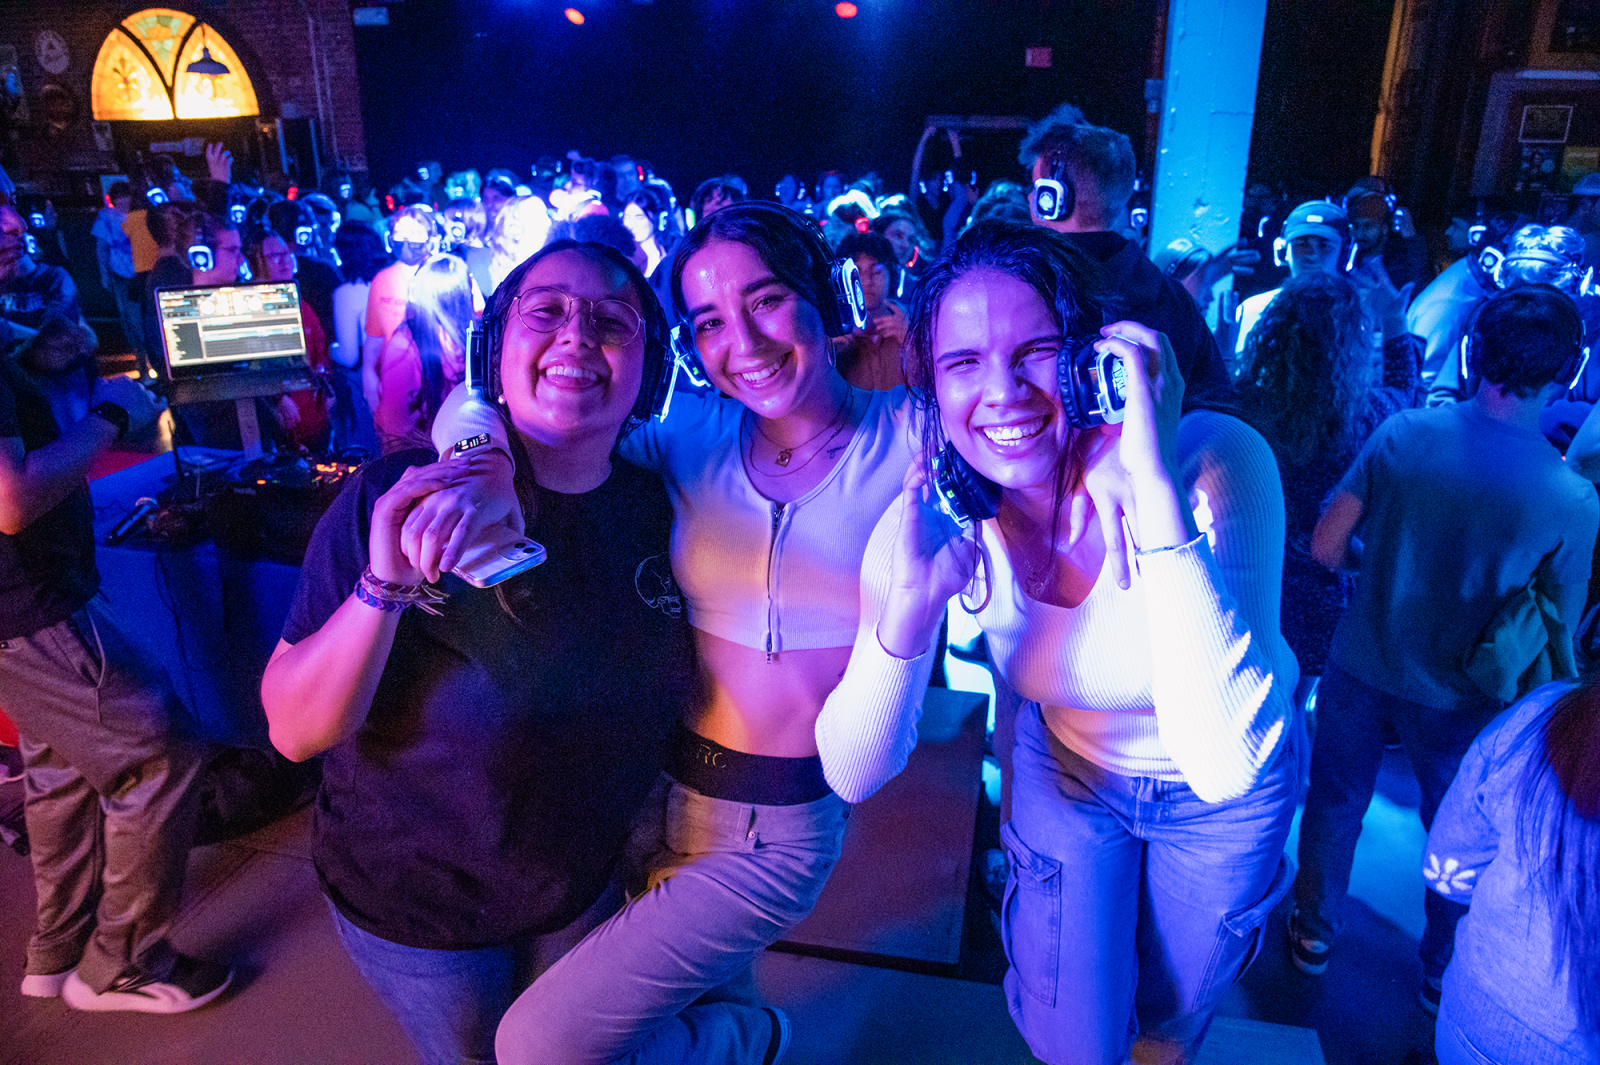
(243, 327)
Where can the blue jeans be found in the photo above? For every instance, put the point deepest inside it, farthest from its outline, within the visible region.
(1131, 905)
(1474, 1029)
(1352, 718)
(449, 1001)
(668, 978)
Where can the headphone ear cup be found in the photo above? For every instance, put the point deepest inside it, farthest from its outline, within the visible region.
(1280, 252)
(1077, 387)
(850, 299)
(201, 258)
(962, 492)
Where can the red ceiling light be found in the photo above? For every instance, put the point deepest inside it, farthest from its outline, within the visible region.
(845, 9)
(574, 16)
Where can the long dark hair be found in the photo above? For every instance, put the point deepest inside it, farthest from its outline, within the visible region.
(1558, 835)
(1066, 280)
(439, 300)
(1308, 368)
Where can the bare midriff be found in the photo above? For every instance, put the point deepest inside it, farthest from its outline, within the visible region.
(757, 706)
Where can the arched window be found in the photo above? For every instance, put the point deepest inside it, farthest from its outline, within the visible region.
(142, 71)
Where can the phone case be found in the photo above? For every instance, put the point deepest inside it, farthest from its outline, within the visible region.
(500, 559)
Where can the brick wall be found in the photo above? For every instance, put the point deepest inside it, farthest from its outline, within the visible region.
(299, 68)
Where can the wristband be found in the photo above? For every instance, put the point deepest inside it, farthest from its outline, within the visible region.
(114, 414)
(390, 597)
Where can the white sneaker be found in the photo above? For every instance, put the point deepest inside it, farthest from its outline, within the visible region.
(44, 985)
(192, 984)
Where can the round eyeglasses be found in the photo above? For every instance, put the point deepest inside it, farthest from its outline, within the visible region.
(544, 310)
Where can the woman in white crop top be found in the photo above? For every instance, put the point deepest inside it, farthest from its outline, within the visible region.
(1129, 591)
(812, 670)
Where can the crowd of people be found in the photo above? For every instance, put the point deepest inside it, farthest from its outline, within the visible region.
(766, 444)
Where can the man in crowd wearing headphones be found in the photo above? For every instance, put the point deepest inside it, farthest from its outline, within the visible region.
(1384, 234)
(1316, 238)
(30, 291)
(110, 753)
(1083, 179)
(1459, 508)
(414, 234)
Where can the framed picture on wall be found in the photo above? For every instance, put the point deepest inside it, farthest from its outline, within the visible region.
(1545, 123)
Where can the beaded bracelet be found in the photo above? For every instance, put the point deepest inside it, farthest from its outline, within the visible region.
(391, 597)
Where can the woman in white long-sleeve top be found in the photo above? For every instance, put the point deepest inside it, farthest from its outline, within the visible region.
(812, 662)
(1129, 589)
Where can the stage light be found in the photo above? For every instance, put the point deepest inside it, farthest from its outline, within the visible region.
(574, 16)
(845, 9)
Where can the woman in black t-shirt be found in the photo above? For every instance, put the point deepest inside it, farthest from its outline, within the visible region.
(485, 758)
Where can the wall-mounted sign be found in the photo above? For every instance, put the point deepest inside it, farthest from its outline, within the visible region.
(370, 16)
(51, 51)
(1545, 123)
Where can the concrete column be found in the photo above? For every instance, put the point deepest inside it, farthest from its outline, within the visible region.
(1208, 108)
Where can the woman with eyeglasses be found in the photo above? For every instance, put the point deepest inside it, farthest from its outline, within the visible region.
(813, 647)
(486, 750)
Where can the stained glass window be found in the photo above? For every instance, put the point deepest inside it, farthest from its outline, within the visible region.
(141, 71)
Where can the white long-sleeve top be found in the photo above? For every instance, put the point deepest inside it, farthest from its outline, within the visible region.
(778, 577)
(1184, 676)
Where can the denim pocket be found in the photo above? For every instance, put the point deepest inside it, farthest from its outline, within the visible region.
(1240, 937)
(1030, 917)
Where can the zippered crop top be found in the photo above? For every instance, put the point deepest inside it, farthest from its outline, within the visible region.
(771, 576)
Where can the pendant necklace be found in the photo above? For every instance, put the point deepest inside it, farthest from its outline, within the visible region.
(786, 454)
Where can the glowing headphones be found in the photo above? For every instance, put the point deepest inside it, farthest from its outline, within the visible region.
(201, 257)
(303, 236)
(236, 213)
(1571, 371)
(1324, 213)
(155, 195)
(1093, 387)
(484, 340)
(1054, 198)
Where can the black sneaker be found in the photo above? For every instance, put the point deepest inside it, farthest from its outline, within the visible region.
(191, 984)
(1310, 955)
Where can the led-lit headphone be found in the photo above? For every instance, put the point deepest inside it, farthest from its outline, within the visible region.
(1323, 213)
(484, 340)
(1054, 198)
(1093, 387)
(1372, 186)
(1571, 372)
(1535, 254)
(155, 195)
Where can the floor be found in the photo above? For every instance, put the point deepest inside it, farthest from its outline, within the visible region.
(255, 901)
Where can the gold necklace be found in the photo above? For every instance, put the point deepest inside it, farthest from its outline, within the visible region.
(786, 455)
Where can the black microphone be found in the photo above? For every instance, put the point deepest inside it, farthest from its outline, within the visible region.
(141, 510)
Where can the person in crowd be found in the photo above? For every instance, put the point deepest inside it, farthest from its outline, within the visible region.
(172, 226)
(110, 753)
(328, 220)
(305, 413)
(499, 189)
(1517, 839)
(520, 228)
(715, 193)
(425, 356)
(414, 236)
(1157, 760)
(506, 737)
(870, 356)
(814, 647)
(465, 223)
(1099, 164)
(296, 225)
(792, 193)
(1440, 313)
(1385, 236)
(30, 292)
(913, 247)
(157, 182)
(1307, 387)
(361, 256)
(113, 253)
(648, 215)
(1458, 508)
(1583, 215)
(1317, 238)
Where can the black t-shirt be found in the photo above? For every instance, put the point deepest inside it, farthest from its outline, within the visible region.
(490, 790)
(47, 570)
(317, 282)
(1153, 299)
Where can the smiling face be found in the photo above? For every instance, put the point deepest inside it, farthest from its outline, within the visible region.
(902, 236)
(761, 342)
(638, 223)
(569, 384)
(995, 345)
(1312, 253)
